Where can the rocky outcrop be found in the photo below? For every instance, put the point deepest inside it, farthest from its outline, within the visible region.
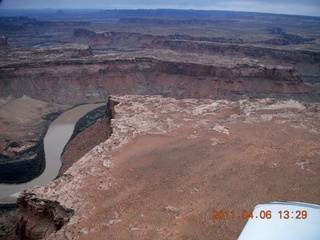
(38, 218)
(97, 132)
(246, 50)
(293, 53)
(204, 133)
(85, 35)
(88, 120)
(63, 51)
(208, 45)
(286, 38)
(167, 73)
(164, 151)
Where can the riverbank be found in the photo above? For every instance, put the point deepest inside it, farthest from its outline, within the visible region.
(86, 128)
(91, 130)
(54, 141)
(23, 124)
(8, 207)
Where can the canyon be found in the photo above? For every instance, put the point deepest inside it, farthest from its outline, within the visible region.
(170, 163)
(191, 93)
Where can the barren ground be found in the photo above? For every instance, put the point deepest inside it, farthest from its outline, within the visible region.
(170, 163)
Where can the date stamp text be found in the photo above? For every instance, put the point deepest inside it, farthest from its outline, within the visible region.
(262, 214)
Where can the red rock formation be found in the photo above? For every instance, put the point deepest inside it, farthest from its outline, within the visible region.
(92, 79)
(40, 217)
(185, 43)
(164, 153)
(97, 133)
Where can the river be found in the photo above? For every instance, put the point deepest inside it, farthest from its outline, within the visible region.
(58, 134)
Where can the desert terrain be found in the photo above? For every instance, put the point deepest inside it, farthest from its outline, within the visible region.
(170, 163)
(205, 111)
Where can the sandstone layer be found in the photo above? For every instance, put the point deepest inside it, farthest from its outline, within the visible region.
(169, 163)
(71, 74)
(92, 127)
(40, 217)
(180, 54)
(205, 45)
(66, 78)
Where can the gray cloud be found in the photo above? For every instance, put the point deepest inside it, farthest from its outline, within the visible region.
(301, 7)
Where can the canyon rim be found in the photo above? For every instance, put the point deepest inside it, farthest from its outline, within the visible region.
(205, 110)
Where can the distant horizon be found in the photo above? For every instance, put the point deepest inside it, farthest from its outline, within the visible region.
(286, 7)
(148, 9)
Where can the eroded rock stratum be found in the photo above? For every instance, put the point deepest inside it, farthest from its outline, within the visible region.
(169, 163)
(214, 113)
(59, 77)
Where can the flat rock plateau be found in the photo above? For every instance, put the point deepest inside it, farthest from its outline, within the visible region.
(169, 163)
(205, 111)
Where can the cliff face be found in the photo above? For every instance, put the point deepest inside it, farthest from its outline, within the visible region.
(98, 132)
(292, 53)
(185, 43)
(72, 74)
(93, 78)
(133, 183)
(164, 153)
(40, 217)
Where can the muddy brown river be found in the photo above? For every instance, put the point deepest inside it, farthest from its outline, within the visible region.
(58, 135)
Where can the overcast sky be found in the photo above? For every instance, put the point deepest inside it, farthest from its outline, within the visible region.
(299, 7)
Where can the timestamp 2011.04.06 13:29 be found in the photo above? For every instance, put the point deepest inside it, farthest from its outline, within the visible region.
(262, 214)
